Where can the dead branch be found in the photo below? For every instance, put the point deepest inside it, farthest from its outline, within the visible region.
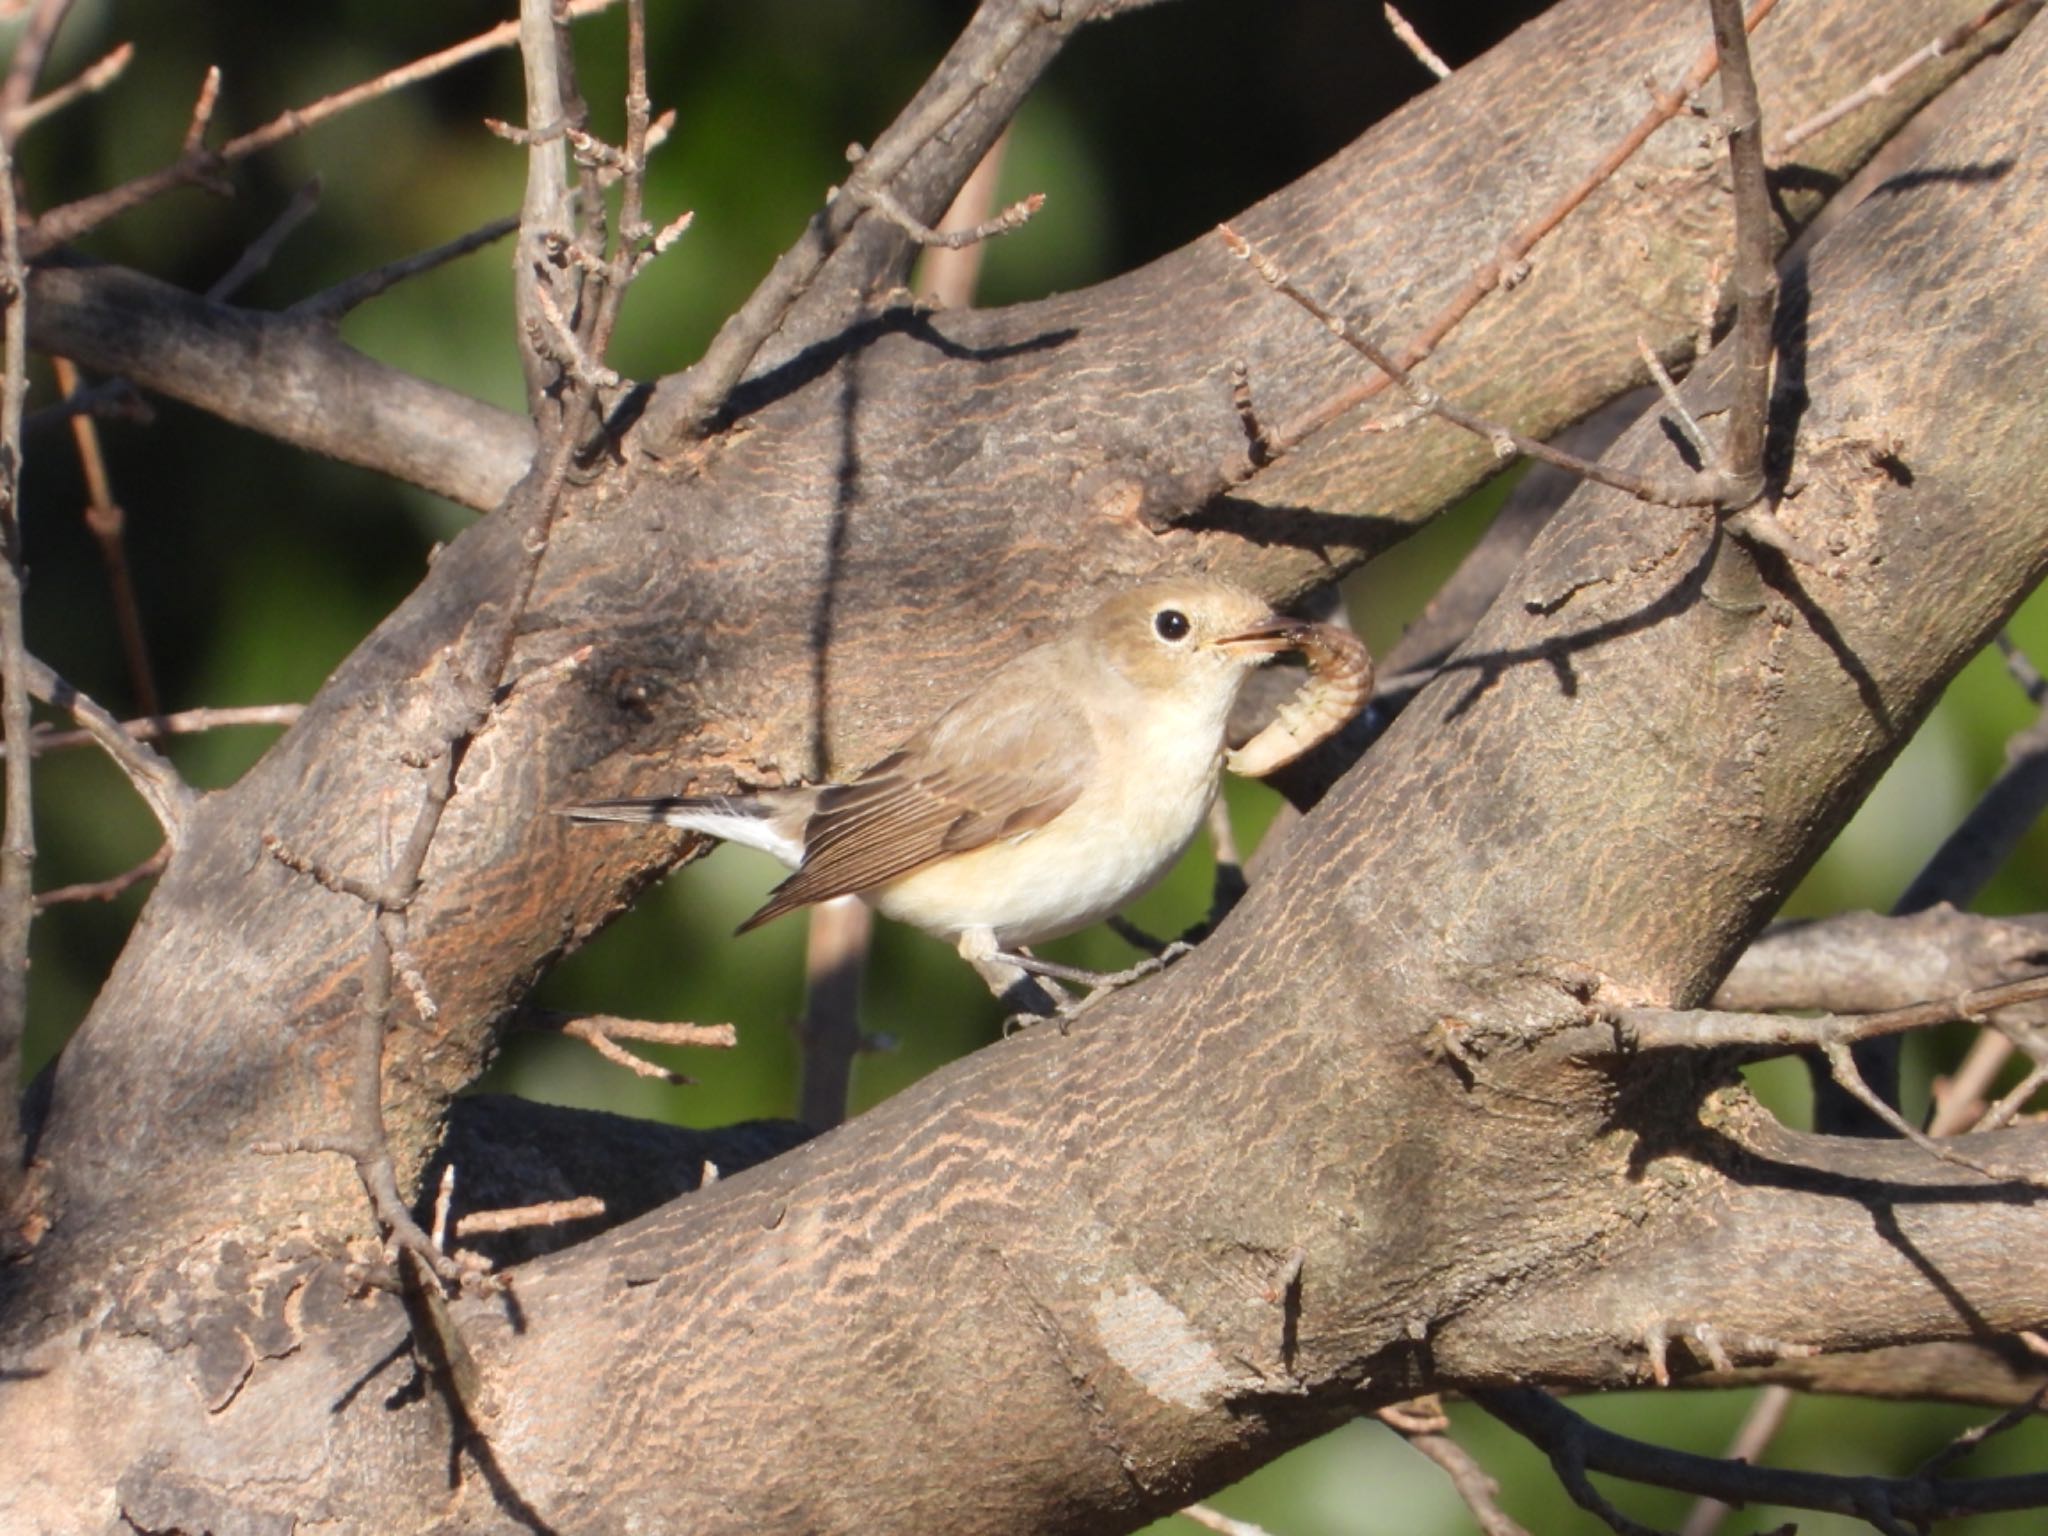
(95, 77)
(17, 835)
(1881, 84)
(1776, 1034)
(984, 76)
(265, 371)
(1576, 1447)
(1665, 491)
(169, 797)
(196, 163)
(183, 722)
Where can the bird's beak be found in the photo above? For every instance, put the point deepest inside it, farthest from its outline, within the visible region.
(1269, 637)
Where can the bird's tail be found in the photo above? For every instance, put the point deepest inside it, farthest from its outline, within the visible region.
(753, 821)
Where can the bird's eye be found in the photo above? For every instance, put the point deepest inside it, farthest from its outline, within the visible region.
(1171, 624)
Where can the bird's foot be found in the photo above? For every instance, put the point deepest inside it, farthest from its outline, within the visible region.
(1099, 984)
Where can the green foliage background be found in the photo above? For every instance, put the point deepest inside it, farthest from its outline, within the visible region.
(259, 569)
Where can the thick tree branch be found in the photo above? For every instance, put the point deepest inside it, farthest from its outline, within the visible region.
(1051, 1210)
(290, 379)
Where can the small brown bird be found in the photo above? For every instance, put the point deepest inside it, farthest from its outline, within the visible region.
(1064, 785)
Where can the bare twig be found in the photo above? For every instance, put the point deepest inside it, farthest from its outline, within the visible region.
(95, 77)
(169, 797)
(1959, 1097)
(2001, 1114)
(1507, 263)
(17, 837)
(31, 51)
(1215, 1520)
(183, 722)
(476, 677)
(1843, 1067)
(2022, 670)
(1424, 1426)
(1988, 836)
(602, 1032)
(1776, 1034)
(703, 391)
(259, 253)
(1696, 491)
(108, 889)
(107, 523)
(1015, 216)
(331, 304)
(1756, 280)
(195, 162)
(518, 1217)
(1412, 40)
(947, 276)
(1758, 1428)
(1675, 405)
(1880, 84)
(1968, 1441)
(1893, 1505)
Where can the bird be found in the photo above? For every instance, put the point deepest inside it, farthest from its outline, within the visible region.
(1062, 786)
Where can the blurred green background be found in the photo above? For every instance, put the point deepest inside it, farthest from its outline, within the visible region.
(258, 569)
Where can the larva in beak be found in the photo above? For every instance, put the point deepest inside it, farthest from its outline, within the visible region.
(1339, 683)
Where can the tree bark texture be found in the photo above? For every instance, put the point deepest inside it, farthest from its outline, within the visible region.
(1372, 1138)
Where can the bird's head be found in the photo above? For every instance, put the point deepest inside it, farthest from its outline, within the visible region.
(1188, 637)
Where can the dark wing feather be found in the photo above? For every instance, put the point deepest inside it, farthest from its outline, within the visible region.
(991, 767)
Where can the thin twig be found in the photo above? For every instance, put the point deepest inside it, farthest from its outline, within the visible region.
(602, 1032)
(1879, 84)
(259, 253)
(1472, 1482)
(1959, 1097)
(110, 888)
(66, 223)
(183, 722)
(1668, 390)
(17, 837)
(945, 276)
(1970, 1439)
(1505, 266)
(107, 523)
(1991, 833)
(1015, 216)
(2020, 667)
(1891, 1504)
(1211, 1519)
(1741, 470)
(1425, 55)
(478, 678)
(95, 77)
(1843, 1067)
(703, 391)
(170, 798)
(1776, 1034)
(31, 52)
(1696, 491)
(1758, 1428)
(331, 304)
(2001, 1114)
(518, 1217)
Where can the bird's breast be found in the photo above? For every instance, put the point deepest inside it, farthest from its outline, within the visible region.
(1128, 827)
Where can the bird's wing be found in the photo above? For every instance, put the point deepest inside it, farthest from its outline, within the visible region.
(989, 768)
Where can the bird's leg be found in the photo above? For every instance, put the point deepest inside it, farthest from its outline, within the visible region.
(1098, 981)
(1014, 986)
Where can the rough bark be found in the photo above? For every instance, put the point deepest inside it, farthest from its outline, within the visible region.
(1345, 1152)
